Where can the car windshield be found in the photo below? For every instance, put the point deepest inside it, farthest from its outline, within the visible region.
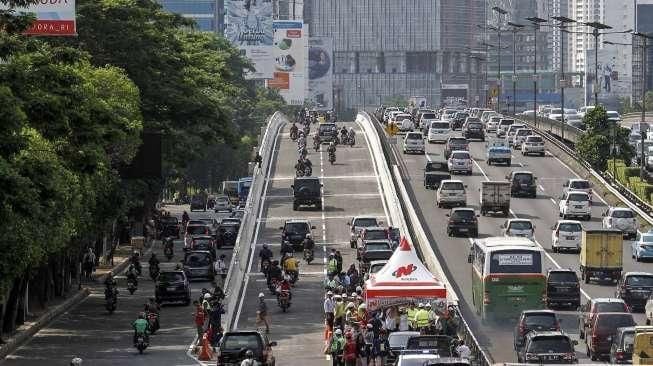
(523, 132)
(377, 246)
(202, 242)
(613, 115)
(421, 360)
(623, 214)
(523, 178)
(578, 197)
(197, 230)
(562, 277)
(628, 341)
(463, 214)
(647, 238)
(241, 341)
(521, 225)
(297, 228)
(327, 127)
(460, 155)
(556, 111)
(375, 235)
(400, 339)
(610, 307)
(514, 128)
(414, 136)
(558, 344)
(169, 220)
(570, 227)
(457, 141)
(499, 149)
(313, 185)
(474, 125)
(170, 277)
(610, 322)
(228, 228)
(534, 139)
(579, 184)
(639, 280)
(428, 116)
(506, 122)
(540, 320)
(365, 222)
(222, 200)
(453, 186)
(440, 125)
(376, 267)
(198, 260)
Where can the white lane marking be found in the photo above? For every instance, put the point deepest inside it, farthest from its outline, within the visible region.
(324, 253)
(578, 176)
(377, 175)
(256, 230)
(353, 177)
(330, 217)
(554, 201)
(540, 187)
(354, 195)
(318, 242)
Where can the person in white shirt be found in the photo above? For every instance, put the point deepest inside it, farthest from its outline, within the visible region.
(403, 320)
(220, 270)
(329, 309)
(463, 351)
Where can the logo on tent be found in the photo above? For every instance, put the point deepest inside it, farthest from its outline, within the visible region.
(404, 271)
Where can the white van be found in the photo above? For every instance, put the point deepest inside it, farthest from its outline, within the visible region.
(451, 193)
(414, 142)
(439, 131)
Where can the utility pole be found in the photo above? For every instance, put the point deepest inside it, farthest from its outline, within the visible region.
(498, 28)
(645, 38)
(515, 28)
(536, 26)
(563, 80)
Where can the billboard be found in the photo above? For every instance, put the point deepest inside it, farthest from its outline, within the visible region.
(248, 26)
(613, 80)
(320, 72)
(290, 53)
(53, 17)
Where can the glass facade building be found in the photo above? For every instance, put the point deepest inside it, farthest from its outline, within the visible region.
(206, 13)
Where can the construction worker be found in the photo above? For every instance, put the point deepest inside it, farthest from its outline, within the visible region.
(332, 265)
(421, 317)
(411, 316)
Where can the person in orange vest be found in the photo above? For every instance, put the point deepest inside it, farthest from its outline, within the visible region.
(200, 318)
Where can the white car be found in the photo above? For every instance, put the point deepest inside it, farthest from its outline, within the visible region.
(414, 142)
(359, 223)
(492, 123)
(460, 161)
(575, 204)
(583, 110)
(510, 133)
(528, 113)
(566, 235)
(519, 137)
(555, 114)
(387, 111)
(577, 184)
(621, 218)
(451, 192)
(504, 124)
(642, 247)
(613, 116)
(518, 227)
(533, 144)
(405, 124)
(439, 131)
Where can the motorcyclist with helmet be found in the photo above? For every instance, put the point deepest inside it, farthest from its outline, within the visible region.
(293, 131)
(141, 326)
(309, 244)
(343, 134)
(352, 135)
(132, 275)
(266, 255)
(249, 359)
(274, 273)
(152, 307)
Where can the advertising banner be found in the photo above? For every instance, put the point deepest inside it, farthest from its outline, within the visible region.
(53, 17)
(248, 26)
(613, 79)
(320, 73)
(290, 53)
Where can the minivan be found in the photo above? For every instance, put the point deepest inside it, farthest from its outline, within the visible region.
(439, 131)
(451, 193)
(602, 329)
(503, 125)
(414, 142)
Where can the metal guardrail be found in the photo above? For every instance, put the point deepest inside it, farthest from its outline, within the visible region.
(235, 281)
(425, 251)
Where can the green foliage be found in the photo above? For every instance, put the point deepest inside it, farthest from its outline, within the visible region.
(596, 144)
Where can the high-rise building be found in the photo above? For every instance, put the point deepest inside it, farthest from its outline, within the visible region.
(584, 11)
(208, 14)
(643, 24)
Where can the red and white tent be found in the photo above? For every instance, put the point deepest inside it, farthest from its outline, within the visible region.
(402, 280)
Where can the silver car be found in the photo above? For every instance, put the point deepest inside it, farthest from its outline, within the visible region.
(222, 204)
(623, 219)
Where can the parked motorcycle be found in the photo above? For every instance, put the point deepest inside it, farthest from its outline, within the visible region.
(308, 255)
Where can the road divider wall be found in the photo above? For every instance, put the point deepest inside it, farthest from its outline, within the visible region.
(234, 283)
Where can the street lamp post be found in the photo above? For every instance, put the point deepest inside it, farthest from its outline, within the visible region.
(563, 79)
(644, 37)
(595, 32)
(536, 26)
(501, 12)
(515, 28)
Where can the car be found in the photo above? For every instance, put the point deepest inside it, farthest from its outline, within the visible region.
(295, 231)
(548, 347)
(578, 124)
(307, 191)
(624, 219)
(387, 111)
(195, 230)
(595, 306)
(555, 114)
(518, 227)
(204, 242)
(621, 349)
(373, 250)
(460, 161)
(238, 213)
(416, 359)
(455, 143)
(533, 320)
(197, 203)
(398, 341)
(487, 114)
(527, 113)
(635, 288)
(199, 264)
(227, 234)
(582, 111)
(575, 204)
(602, 330)
(613, 116)
(222, 204)
(503, 125)
(498, 155)
(357, 224)
(328, 132)
(414, 142)
(570, 117)
(562, 288)
(169, 226)
(172, 286)
(473, 129)
(519, 137)
(458, 120)
(233, 344)
(492, 123)
(642, 246)
(376, 265)
(451, 193)
(523, 183)
(439, 131)
(210, 221)
(435, 171)
(231, 220)
(404, 122)
(437, 344)
(566, 236)
(533, 144)
(577, 184)
(426, 118)
(371, 233)
(511, 131)
(462, 220)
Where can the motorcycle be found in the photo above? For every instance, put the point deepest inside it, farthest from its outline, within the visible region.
(352, 141)
(293, 276)
(137, 266)
(131, 286)
(332, 158)
(316, 145)
(141, 344)
(168, 252)
(265, 266)
(111, 300)
(308, 255)
(293, 135)
(154, 272)
(283, 299)
(153, 321)
(273, 285)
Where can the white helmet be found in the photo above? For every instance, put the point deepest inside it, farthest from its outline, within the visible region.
(207, 296)
(260, 295)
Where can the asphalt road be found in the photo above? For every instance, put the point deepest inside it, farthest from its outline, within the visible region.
(350, 188)
(89, 332)
(543, 211)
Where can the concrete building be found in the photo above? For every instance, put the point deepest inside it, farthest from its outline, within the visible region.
(584, 11)
(643, 24)
(208, 14)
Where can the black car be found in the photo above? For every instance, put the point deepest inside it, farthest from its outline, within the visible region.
(328, 132)
(522, 183)
(473, 129)
(455, 143)
(458, 120)
(233, 345)
(307, 191)
(548, 347)
(172, 286)
(169, 227)
(439, 344)
(623, 341)
(198, 203)
(635, 288)
(462, 220)
(227, 234)
(562, 288)
(534, 320)
(434, 173)
(294, 232)
(374, 250)
(204, 242)
(199, 264)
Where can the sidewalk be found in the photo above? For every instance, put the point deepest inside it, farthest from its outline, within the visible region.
(36, 320)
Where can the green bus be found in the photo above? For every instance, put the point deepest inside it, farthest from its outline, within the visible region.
(506, 276)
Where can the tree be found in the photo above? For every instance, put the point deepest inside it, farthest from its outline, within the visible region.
(595, 145)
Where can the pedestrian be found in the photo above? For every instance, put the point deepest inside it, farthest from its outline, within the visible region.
(368, 338)
(421, 319)
(337, 348)
(350, 314)
(89, 263)
(354, 277)
(345, 281)
(258, 159)
(411, 316)
(390, 319)
(380, 348)
(262, 315)
(200, 318)
(403, 320)
(339, 259)
(329, 310)
(330, 284)
(220, 270)
(351, 351)
(216, 315)
(339, 312)
(332, 266)
(463, 350)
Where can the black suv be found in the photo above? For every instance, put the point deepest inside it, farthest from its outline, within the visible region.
(227, 233)
(534, 320)
(169, 227)
(621, 350)
(197, 203)
(294, 232)
(635, 288)
(462, 220)
(172, 286)
(233, 345)
(458, 120)
(522, 183)
(473, 129)
(455, 143)
(307, 192)
(547, 348)
(328, 132)
(562, 288)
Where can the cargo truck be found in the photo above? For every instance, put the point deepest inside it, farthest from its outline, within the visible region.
(495, 197)
(601, 255)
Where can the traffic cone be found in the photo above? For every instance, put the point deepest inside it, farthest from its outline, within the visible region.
(205, 353)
